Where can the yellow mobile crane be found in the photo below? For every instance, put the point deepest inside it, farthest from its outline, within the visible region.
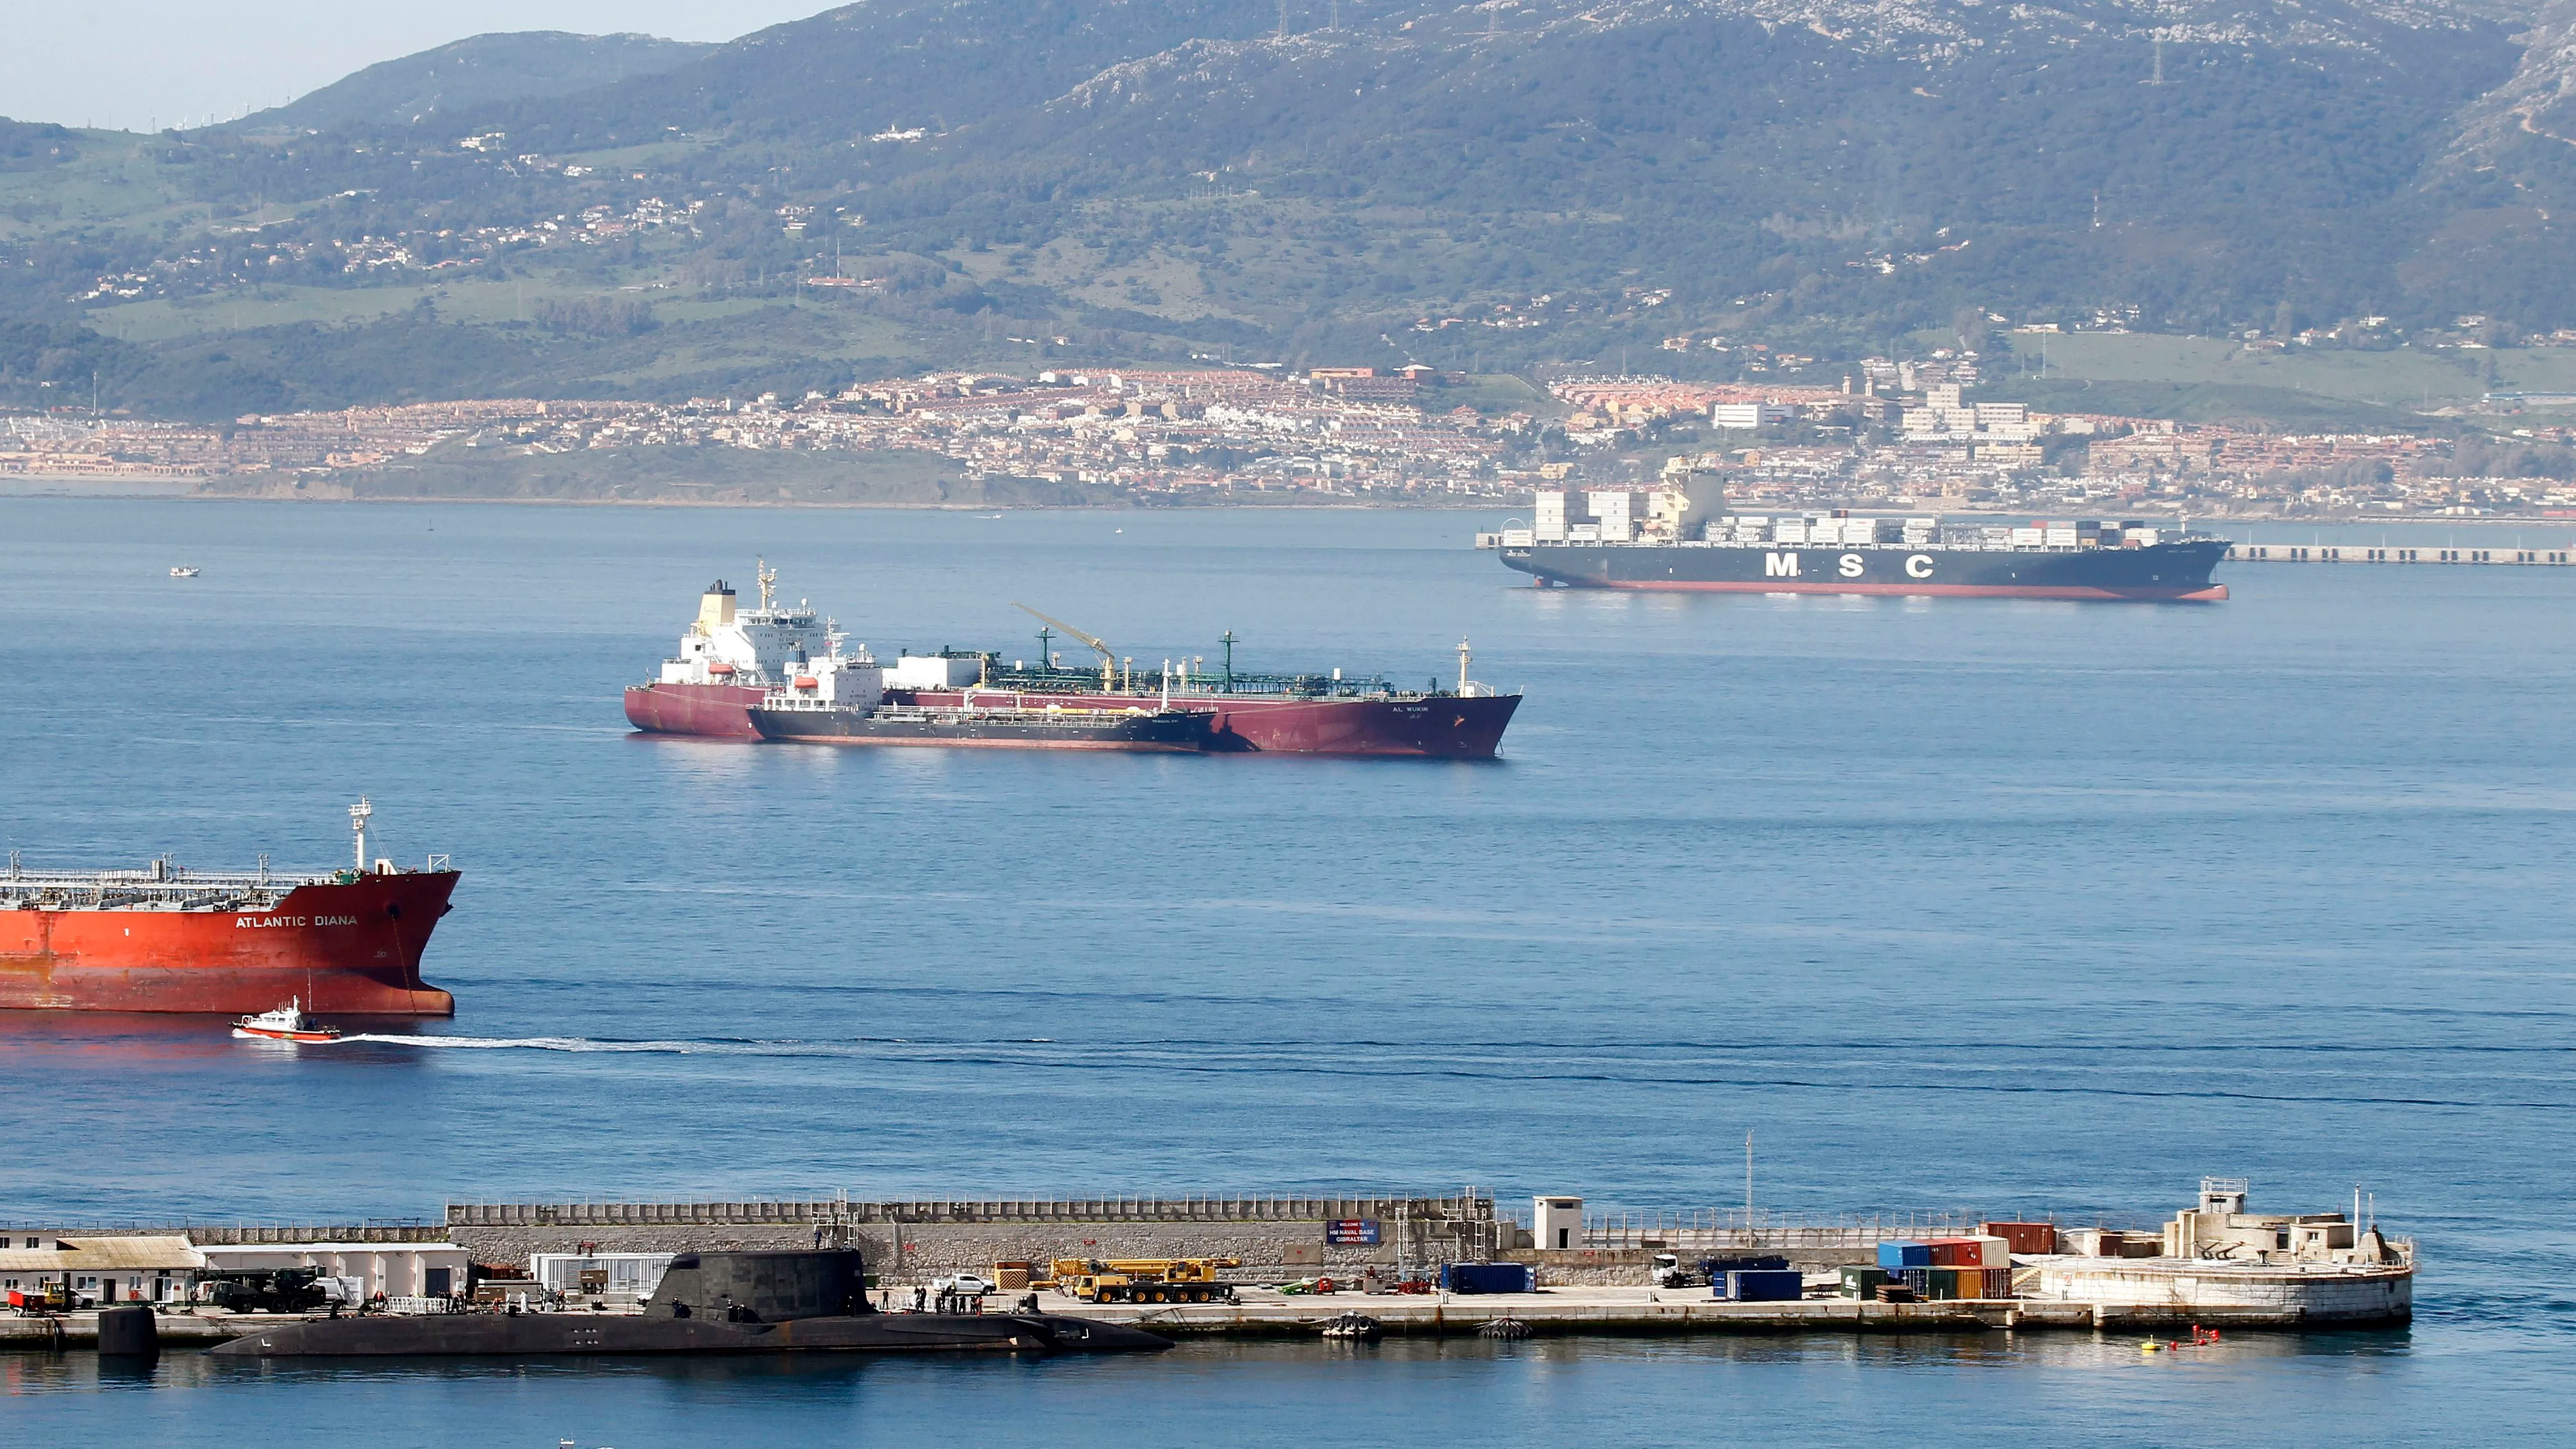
(1108, 660)
(1144, 1280)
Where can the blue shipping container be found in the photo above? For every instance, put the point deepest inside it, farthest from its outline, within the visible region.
(1488, 1277)
(1766, 1285)
(1905, 1255)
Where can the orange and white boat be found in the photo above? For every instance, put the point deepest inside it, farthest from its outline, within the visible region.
(285, 1023)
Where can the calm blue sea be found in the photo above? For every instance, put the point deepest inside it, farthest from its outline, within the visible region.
(2001, 907)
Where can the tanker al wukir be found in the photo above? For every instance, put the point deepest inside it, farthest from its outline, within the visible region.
(166, 939)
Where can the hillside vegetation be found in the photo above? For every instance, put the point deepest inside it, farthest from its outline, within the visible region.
(478, 71)
(1373, 181)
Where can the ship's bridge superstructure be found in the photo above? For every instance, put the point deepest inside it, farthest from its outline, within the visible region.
(760, 647)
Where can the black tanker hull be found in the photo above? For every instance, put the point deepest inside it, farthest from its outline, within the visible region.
(1167, 733)
(2166, 572)
(537, 1335)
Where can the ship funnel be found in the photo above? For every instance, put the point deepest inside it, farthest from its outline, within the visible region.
(1703, 498)
(715, 609)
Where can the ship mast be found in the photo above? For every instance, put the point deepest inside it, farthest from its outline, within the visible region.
(358, 814)
(1462, 667)
(768, 578)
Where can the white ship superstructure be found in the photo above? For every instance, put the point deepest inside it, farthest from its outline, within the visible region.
(760, 648)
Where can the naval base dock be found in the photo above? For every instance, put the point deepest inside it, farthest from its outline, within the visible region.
(1184, 1268)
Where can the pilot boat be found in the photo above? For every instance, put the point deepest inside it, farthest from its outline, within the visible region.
(285, 1023)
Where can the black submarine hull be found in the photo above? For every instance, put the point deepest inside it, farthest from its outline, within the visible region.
(530, 1335)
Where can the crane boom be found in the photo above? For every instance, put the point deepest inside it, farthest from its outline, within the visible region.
(1108, 659)
(1098, 644)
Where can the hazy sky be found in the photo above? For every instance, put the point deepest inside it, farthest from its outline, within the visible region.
(131, 62)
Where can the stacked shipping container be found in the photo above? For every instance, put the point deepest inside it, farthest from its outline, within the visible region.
(1939, 1269)
(1763, 1285)
(2027, 1240)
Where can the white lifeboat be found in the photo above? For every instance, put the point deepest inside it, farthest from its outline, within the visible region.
(285, 1023)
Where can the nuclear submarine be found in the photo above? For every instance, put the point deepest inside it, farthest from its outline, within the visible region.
(706, 1303)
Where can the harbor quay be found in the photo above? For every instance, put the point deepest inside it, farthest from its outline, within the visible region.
(2560, 556)
(1253, 1267)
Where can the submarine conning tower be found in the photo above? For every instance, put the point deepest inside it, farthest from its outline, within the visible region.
(772, 1287)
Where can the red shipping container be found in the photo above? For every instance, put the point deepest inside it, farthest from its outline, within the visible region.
(2028, 1240)
(1957, 1253)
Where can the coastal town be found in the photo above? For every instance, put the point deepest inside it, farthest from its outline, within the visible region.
(1899, 434)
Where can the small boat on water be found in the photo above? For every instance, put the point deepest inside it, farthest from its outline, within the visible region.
(182, 571)
(285, 1023)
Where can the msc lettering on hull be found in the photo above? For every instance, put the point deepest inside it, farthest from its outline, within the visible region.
(1850, 566)
(2178, 571)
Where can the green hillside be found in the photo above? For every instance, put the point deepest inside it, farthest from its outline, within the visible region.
(1374, 181)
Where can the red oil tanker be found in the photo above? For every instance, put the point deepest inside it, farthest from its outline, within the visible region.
(738, 667)
(345, 942)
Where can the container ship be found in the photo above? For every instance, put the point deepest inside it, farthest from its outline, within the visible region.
(734, 662)
(1682, 540)
(345, 942)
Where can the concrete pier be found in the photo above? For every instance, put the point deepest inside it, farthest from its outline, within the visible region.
(2384, 553)
(176, 1331)
(1643, 1312)
(2215, 1263)
(1264, 1313)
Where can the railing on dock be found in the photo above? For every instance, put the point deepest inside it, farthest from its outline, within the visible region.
(765, 1212)
(231, 1235)
(1720, 1229)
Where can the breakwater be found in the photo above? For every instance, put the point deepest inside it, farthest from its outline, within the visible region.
(1289, 1262)
(2385, 553)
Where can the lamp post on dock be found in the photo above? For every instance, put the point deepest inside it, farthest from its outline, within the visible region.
(1748, 1186)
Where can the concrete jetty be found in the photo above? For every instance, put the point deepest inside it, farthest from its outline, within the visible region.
(2215, 1264)
(1263, 1313)
(2384, 553)
(1643, 1312)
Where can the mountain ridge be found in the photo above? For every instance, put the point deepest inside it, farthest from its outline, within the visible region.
(476, 71)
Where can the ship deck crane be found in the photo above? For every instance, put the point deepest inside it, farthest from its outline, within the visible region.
(1108, 659)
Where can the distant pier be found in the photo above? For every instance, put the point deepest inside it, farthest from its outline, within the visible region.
(2389, 553)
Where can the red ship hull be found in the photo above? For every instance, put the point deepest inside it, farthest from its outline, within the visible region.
(1449, 727)
(342, 949)
(716, 711)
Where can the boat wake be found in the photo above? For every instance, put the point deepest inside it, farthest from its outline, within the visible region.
(553, 1044)
(734, 1047)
